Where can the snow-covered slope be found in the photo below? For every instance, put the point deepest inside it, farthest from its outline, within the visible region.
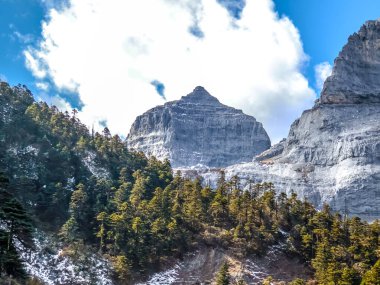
(54, 265)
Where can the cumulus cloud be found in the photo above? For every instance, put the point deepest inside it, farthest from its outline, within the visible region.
(322, 71)
(110, 52)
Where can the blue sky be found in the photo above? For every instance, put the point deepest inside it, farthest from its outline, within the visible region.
(23, 18)
(324, 27)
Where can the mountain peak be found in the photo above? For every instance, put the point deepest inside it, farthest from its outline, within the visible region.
(199, 89)
(200, 95)
(198, 130)
(356, 72)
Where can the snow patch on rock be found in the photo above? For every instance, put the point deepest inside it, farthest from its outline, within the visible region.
(89, 160)
(49, 263)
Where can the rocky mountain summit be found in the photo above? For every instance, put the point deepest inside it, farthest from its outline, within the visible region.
(356, 73)
(332, 153)
(198, 130)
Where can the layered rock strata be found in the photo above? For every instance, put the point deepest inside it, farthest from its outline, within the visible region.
(198, 130)
(332, 153)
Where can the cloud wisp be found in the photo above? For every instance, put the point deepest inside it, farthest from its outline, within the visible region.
(111, 52)
(322, 71)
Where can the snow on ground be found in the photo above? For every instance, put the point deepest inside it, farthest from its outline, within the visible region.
(49, 263)
(90, 162)
(164, 278)
(17, 150)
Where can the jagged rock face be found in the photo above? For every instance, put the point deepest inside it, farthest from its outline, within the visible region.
(198, 130)
(356, 74)
(332, 153)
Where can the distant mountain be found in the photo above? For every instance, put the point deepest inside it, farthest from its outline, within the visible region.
(198, 130)
(332, 153)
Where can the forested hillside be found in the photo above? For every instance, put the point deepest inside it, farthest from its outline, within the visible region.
(89, 189)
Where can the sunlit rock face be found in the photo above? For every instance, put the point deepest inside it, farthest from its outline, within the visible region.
(198, 130)
(356, 74)
(332, 153)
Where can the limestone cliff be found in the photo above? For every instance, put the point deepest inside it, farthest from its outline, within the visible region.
(198, 130)
(332, 153)
(356, 73)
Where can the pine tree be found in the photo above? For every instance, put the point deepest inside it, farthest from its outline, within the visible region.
(16, 227)
(321, 261)
(79, 225)
(138, 191)
(223, 277)
(102, 218)
(193, 209)
(372, 277)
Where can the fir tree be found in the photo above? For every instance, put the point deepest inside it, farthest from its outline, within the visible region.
(372, 277)
(223, 277)
(16, 227)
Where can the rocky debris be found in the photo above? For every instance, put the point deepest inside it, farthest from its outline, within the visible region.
(198, 130)
(356, 74)
(200, 267)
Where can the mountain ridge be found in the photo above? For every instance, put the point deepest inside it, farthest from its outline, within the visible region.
(356, 72)
(332, 152)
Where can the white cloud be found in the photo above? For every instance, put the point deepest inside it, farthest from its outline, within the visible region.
(23, 38)
(42, 86)
(322, 71)
(34, 63)
(60, 103)
(55, 100)
(111, 51)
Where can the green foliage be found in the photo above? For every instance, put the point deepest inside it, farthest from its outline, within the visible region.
(372, 277)
(92, 190)
(267, 281)
(223, 277)
(16, 228)
(122, 267)
(297, 281)
(339, 250)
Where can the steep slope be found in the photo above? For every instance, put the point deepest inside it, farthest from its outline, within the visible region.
(332, 153)
(50, 164)
(198, 130)
(201, 266)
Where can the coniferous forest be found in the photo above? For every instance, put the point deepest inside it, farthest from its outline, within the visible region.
(139, 214)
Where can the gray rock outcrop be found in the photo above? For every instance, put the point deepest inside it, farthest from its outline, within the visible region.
(198, 130)
(332, 153)
(356, 74)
